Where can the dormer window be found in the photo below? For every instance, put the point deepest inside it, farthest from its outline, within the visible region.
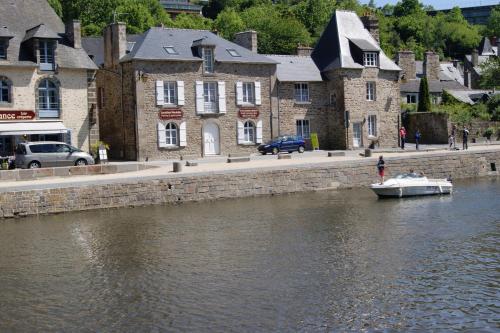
(370, 59)
(170, 49)
(46, 49)
(208, 60)
(3, 49)
(233, 53)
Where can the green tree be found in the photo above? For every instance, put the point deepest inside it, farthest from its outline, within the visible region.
(493, 105)
(407, 7)
(278, 31)
(424, 100)
(490, 73)
(228, 23)
(493, 25)
(136, 15)
(56, 5)
(187, 21)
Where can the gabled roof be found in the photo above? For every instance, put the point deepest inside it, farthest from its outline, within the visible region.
(151, 44)
(37, 19)
(5, 33)
(40, 31)
(296, 68)
(333, 49)
(412, 86)
(485, 47)
(94, 46)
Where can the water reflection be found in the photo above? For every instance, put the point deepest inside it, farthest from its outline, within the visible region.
(309, 262)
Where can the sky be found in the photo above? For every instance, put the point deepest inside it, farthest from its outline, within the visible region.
(443, 4)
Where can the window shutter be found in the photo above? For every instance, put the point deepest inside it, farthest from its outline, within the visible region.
(162, 136)
(259, 132)
(239, 93)
(180, 92)
(182, 134)
(222, 96)
(241, 132)
(258, 99)
(160, 94)
(200, 106)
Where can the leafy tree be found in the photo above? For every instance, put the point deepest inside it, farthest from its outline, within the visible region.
(137, 16)
(493, 105)
(187, 21)
(228, 23)
(407, 7)
(424, 100)
(490, 73)
(493, 25)
(56, 5)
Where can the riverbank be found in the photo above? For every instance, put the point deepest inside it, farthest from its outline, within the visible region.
(209, 181)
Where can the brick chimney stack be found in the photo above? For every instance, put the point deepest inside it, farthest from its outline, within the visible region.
(115, 44)
(247, 39)
(431, 66)
(406, 60)
(475, 57)
(371, 24)
(73, 30)
(304, 50)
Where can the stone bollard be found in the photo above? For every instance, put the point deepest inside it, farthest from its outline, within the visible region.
(177, 166)
(368, 152)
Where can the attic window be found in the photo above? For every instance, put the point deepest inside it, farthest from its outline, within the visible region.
(130, 46)
(170, 50)
(233, 52)
(370, 59)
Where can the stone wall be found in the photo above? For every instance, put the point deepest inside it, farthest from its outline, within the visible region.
(434, 127)
(174, 188)
(477, 128)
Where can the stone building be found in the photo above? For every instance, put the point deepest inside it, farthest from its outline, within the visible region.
(362, 83)
(177, 92)
(472, 63)
(47, 81)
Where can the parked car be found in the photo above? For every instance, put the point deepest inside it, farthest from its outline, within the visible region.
(32, 155)
(289, 143)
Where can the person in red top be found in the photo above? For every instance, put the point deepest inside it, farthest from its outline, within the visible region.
(402, 135)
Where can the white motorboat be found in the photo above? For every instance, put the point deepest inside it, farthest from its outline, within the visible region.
(412, 184)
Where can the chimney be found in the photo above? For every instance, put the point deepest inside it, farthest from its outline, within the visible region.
(371, 24)
(74, 33)
(115, 44)
(406, 60)
(475, 57)
(304, 51)
(493, 41)
(455, 63)
(431, 66)
(247, 39)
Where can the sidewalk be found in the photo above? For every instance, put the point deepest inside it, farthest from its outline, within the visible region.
(219, 164)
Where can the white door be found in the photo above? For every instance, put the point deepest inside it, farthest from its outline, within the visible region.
(357, 135)
(211, 139)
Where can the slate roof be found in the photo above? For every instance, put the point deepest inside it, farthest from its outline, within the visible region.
(412, 86)
(150, 46)
(94, 46)
(296, 68)
(485, 47)
(450, 73)
(5, 33)
(38, 19)
(333, 49)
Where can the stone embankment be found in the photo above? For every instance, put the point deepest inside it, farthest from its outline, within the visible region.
(175, 188)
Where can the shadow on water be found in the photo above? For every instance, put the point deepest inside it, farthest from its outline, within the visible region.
(306, 262)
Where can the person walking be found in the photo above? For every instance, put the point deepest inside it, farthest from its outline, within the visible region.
(417, 138)
(381, 168)
(465, 137)
(402, 135)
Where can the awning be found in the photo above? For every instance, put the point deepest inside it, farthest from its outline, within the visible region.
(39, 127)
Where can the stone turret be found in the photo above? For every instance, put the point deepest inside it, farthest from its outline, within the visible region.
(406, 60)
(431, 66)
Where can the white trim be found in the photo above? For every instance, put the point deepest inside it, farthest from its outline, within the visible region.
(180, 92)
(258, 98)
(162, 135)
(160, 94)
(200, 100)
(182, 135)
(258, 137)
(221, 85)
(239, 93)
(241, 132)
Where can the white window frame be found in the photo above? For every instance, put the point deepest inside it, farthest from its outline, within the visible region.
(301, 92)
(47, 54)
(248, 93)
(303, 128)
(208, 60)
(370, 91)
(372, 125)
(47, 91)
(171, 135)
(249, 132)
(370, 59)
(411, 96)
(169, 93)
(4, 85)
(210, 97)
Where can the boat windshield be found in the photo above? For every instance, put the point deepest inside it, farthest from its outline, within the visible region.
(409, 175)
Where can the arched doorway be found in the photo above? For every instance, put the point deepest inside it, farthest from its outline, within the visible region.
(211, 142)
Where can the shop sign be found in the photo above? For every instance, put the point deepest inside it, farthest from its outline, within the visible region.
(248, 113)
(17, 115)
(170, 114)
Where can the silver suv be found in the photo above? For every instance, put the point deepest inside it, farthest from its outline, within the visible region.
(46, 154)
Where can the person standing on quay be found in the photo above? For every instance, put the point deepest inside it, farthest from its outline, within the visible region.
(402, 135)
(381, 168)
(417, 138)
(453, 133)
(465, 137)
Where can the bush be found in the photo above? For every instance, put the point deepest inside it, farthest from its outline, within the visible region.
(488, 132)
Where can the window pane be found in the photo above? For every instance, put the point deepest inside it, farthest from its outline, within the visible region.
(3, 51)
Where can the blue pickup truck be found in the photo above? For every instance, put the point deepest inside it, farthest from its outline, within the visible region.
(288, 143)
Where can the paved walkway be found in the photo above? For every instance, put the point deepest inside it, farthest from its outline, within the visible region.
(218, 164)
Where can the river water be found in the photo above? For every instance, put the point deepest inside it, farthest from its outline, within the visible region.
(315, 262)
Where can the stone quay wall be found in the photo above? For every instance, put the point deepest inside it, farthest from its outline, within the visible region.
(177, 188)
